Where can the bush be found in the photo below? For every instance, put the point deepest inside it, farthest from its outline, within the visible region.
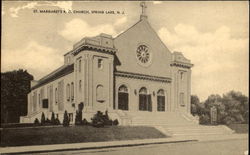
(57, 121)
(47, 121)
(204, 119)
(115, 122)
(66, 119)
(229, 120)
(98, 119)
(36, 122)
(78, 118)
(42, 119)
(85, 122)
(107, 120)
(53, 120)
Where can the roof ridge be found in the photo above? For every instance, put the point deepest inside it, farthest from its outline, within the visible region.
(159, 37)
(128, 29)
(51, 73)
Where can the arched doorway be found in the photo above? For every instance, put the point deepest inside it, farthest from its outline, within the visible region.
(145, 103)
(123, 97)
(160, 100)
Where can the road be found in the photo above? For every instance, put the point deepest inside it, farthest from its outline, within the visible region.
(226, 147)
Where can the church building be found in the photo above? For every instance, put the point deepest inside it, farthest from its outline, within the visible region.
(134, 76)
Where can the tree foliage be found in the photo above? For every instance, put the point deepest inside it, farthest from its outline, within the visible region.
(66, 119)
(15, 85)
(232, 107)
(43, 119)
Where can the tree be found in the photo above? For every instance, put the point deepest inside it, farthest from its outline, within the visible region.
(53, 119)
(15, 85)
(78, 118)
(66, 119)
(43, 119)
(232, 107)
(194, 104)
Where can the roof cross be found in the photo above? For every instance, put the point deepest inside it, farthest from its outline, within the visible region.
(143, 6)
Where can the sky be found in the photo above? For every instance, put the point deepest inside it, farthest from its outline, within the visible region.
(214, 35)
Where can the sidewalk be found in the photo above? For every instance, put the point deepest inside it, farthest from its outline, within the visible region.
(110, 144)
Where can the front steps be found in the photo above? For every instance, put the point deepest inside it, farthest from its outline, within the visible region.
(159, 118)
(196, 130)
(175, 123)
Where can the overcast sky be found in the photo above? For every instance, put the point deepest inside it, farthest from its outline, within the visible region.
(213, 35)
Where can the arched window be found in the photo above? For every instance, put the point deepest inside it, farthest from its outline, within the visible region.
(72, 91)
(145, 103)
(160, 100)
(123, 97)
(100, 97)
(68, 92)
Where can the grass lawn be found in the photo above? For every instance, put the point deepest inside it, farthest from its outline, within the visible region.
(239, 128)
(74, 134)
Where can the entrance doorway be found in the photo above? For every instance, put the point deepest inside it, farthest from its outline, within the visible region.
(145, 102)
(160, 100)
(123, 98)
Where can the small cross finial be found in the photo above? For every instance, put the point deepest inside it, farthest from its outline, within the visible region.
(143, 6)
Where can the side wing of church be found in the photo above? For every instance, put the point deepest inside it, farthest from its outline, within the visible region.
(133, 76)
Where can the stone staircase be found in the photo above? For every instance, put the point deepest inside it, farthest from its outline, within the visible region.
(159, 118)
(196, 130)
(175, 124)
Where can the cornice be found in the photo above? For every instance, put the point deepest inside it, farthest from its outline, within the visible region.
(181, 64)
(101, 49)
(142, 76)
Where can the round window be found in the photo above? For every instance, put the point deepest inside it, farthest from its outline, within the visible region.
(142, 54)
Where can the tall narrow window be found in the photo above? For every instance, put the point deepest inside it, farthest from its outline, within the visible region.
(80, 65)
(80, 85)
(100, 63)
(100, 97)
(160, 100)
(56, 96)
(35, 100)
(68, 60)
(39, 99)
(68, 92)
(182, 103)
(72, 91)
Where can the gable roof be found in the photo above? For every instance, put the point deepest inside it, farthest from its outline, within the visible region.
(151, 28)
(61, 71)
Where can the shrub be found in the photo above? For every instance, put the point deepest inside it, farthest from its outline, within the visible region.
(204, 119)
(36, 122)
(97, 120)
(53, 120)
(47, 122)
(66, 119)
(85, 122)
(57, 121)
(229, 120)
(106, 119)
(100, 119)
(43, 119)
(115, 122)
(78, 118)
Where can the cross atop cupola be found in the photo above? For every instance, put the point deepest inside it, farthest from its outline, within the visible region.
(143, 14)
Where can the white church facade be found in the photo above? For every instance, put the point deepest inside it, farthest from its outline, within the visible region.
(133, 76)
